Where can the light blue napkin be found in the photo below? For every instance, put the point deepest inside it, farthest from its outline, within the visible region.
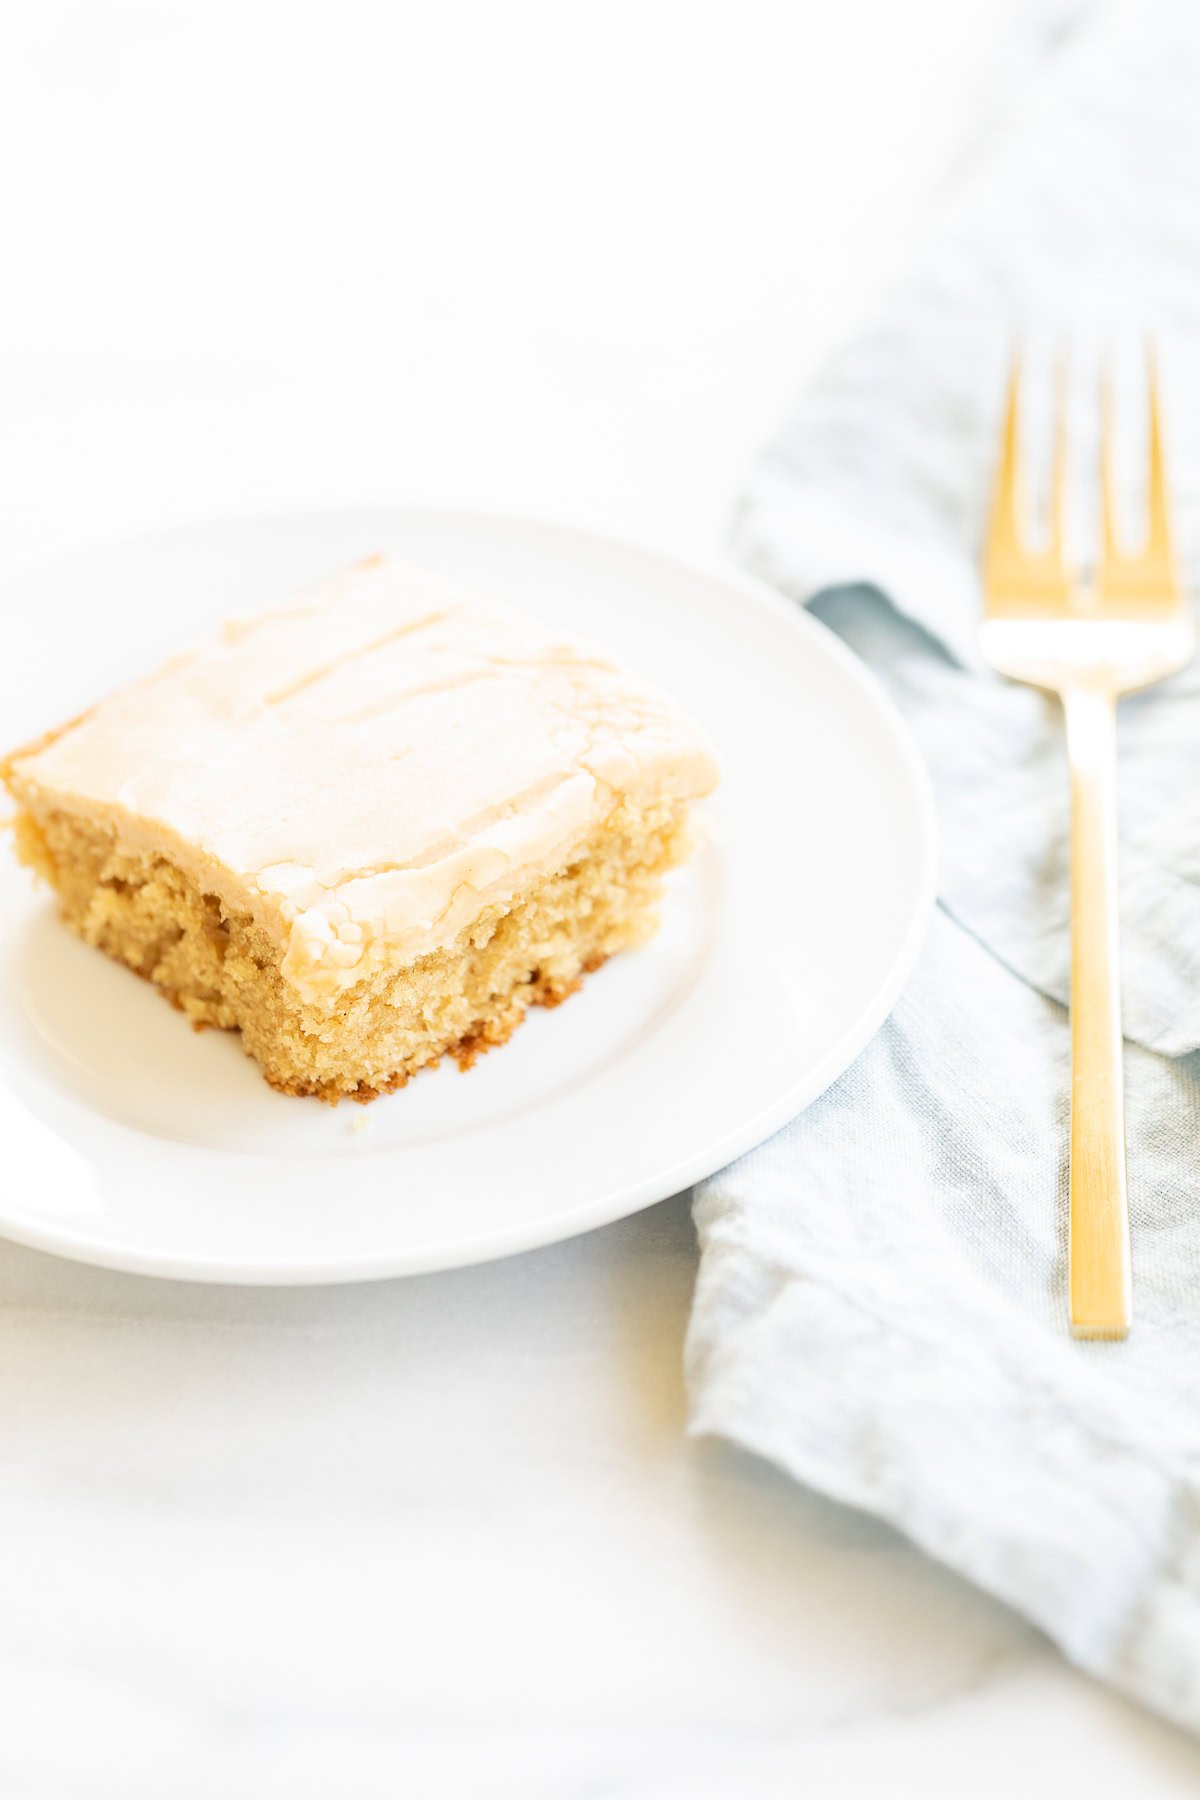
(881, 1304)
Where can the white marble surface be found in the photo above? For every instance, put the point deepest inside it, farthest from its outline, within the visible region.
(446, 1536)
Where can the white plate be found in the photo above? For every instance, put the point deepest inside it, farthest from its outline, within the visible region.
(132, 1142)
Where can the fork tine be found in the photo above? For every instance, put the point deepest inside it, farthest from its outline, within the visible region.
(1110, 553)
(1004, 527)
(1148, 575)
(1158, 526)
(1058, 490)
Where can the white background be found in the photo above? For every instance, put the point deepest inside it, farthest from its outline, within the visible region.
(445, 1536)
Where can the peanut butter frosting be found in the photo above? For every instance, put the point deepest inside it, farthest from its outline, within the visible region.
(367, 769)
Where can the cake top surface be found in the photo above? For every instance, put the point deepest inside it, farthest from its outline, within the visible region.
(371, 765)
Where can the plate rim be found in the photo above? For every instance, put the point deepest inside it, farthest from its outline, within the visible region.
(661, 1184)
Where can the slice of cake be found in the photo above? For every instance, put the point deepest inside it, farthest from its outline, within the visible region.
(368, 829)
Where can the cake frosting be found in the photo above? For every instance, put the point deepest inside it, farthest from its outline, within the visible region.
(368, 768)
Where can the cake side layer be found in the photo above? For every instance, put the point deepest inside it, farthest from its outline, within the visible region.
(222, 969)
(363, 773)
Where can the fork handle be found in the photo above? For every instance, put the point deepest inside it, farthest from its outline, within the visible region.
(1099, 1256)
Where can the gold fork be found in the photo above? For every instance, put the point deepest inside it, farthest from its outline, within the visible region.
(1089, 644)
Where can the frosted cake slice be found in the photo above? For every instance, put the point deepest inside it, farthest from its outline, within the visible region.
(366, 830)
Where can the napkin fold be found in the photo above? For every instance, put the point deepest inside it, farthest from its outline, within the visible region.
(881, 1304)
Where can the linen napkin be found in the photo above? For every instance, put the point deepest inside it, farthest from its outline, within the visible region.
(881, 1304)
